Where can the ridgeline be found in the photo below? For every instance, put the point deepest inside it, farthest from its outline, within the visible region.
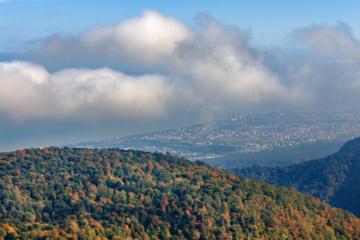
(334, 179)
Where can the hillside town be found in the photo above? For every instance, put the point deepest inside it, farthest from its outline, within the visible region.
(252, 133)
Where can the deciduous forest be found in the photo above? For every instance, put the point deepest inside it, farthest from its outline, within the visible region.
(64, 193)
(334, 179)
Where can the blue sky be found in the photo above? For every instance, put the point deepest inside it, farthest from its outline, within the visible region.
(73, 71)
(269, 21)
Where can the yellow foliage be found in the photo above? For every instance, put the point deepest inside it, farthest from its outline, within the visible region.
(10, 229)
(178, 180)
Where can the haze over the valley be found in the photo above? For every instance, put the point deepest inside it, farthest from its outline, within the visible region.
(156, 67)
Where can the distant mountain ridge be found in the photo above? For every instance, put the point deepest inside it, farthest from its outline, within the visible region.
(334, 179)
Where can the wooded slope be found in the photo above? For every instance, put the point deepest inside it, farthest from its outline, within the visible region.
(55, 193)
(334, 179)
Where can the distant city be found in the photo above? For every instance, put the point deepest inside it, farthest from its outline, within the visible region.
(242, 135)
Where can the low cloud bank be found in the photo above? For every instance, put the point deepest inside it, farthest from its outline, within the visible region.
(198, 71)
(29, 91)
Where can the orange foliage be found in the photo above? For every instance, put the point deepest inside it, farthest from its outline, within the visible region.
(21, 152)
(75, 196)
(46, 151)
(95, 224)
(163, 204)
(56, 234)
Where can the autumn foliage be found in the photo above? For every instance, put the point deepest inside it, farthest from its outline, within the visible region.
(62, 193)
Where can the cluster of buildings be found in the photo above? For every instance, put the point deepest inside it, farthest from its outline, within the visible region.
(251, 133)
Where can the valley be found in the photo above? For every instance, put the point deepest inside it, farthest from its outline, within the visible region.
(286, 137)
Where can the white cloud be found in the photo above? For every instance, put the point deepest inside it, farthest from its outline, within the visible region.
(184, 71)
(149, 37)
(28, 91)
(226, 71)
(144, 39)
(336, 43)
(326, 64)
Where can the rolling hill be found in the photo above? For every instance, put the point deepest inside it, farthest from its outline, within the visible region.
(65, 193)
(334, 179)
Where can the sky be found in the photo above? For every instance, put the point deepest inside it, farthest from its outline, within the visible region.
(73, 71)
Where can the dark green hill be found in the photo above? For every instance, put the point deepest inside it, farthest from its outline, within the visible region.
(57, 193)
(334, 179)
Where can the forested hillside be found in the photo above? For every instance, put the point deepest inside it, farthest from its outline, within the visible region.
(334, 179)
(55, 193)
